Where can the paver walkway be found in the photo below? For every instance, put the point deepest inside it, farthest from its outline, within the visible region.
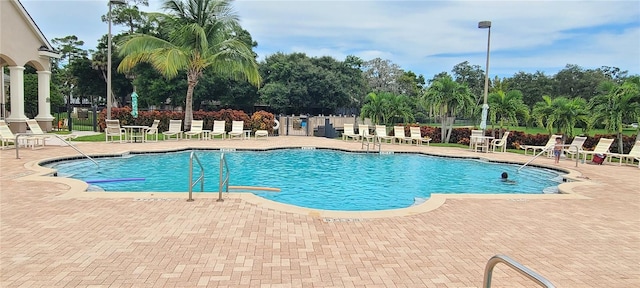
(48, 239)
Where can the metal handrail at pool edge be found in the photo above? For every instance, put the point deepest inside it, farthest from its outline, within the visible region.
(225, 182)
(513, 264)
(49, 135)
(200, 178)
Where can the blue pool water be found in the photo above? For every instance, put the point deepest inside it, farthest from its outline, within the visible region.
(321, 179)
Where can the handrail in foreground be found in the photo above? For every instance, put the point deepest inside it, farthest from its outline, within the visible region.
(200, 178)
(513, 264)
(549, 147)
(49, 135)
(225, 182)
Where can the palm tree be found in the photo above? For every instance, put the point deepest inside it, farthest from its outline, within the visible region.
(567, 112)
(203, 35)
(618, 103)
(397, 106)
(541, 112)
(373, 108)
(451, 99)
(506, 107)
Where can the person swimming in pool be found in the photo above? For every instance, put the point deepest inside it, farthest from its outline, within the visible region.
(505, 178)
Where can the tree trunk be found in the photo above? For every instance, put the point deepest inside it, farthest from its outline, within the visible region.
(443, 129)
(620, 144)
(192, 80)
(449, 121)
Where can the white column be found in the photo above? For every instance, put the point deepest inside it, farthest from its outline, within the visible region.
(16, 86)
(44, 101)
(3, 99)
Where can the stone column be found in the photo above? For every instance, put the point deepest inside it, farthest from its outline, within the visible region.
(17, 118)
(3, 99)
(44, 117)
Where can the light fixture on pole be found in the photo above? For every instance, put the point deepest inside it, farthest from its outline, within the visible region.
(109, 57)
(485, 106)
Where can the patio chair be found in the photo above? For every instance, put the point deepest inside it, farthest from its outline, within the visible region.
(571, 150)
(237, 129)
(196, 129)
(175, 130)
(153, 131)
(475, 139)
(398, 134)
(349, 132)
(502, 143)
(416, 136)
(113, 129)
(363, 133)
(218, 129)
(601, 148)
(547, 147)
(381, 134)
(634, 154)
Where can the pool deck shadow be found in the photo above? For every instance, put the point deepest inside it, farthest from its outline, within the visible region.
(53, 234)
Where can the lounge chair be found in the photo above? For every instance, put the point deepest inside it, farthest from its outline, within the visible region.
(175, 130)
(218, 129)
(416, 136)
(576, 143)
(548, 147)
(196, 129)
(113, 129)
(398, 134)
(502, 143)
(363, 130)
(634, 154)
(153, 130)
(381, 134)
(6, 136)
(237, 129)
(261, 134)
(41, 136)
(601, 148)
(349, 132)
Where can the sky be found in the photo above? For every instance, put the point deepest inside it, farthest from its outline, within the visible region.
(426, 37)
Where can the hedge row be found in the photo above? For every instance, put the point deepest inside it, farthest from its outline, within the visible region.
(260, 120)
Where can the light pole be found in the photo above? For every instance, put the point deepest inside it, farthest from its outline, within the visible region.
(109, 57)
(485, 106)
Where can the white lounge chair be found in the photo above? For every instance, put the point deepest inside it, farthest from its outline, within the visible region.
(261, 134)
(601, 148)
(175, 130)
(153, 131)
(363, 130)
(502, 142)
(36, 129)
(571, 151)
(634, 154)
(349, 132)
(196, 129)
(6, 136)
(416, 136)
(113, 130)
(547, 147)
(218, 129)
(398, 134)
(381, 134)
(237, 130)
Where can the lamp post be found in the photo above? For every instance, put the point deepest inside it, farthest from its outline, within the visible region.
(109, 58)
(485, 106)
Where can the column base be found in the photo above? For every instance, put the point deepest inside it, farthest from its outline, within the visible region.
(17, 126)
(45, 122)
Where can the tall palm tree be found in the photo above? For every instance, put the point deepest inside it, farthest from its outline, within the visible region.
(397, 106)
(506, 107)
(541, 112)
(617, 104)
(567, 113)
(203, 35)
(450, 99)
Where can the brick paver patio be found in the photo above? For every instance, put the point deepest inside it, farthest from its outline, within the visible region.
(51, 237)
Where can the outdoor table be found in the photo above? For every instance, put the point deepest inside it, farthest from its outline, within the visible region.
(136, 132)
(247, 134)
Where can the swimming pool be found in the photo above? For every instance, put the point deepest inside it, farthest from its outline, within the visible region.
(316, 178)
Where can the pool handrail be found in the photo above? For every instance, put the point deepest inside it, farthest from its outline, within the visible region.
(225, 182)
(549, 147)
(513, 264)
(200, 178)
(54, 135)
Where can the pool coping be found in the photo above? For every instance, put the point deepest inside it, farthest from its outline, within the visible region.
(77, 188)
